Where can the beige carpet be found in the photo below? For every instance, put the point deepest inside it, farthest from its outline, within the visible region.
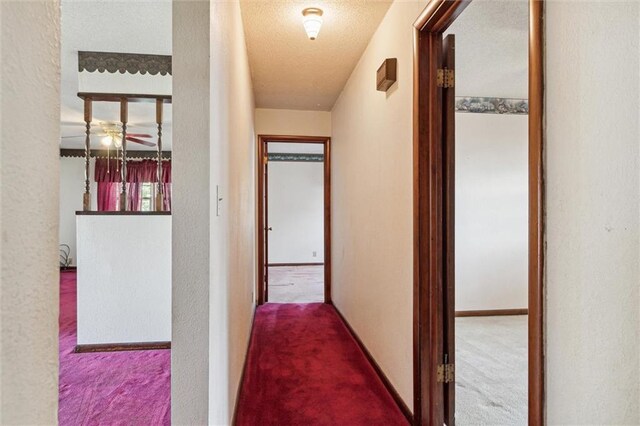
(296, 284)
(491, 370)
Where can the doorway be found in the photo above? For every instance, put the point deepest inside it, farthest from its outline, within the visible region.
(434, 215)
(491, 191)
(294, 227)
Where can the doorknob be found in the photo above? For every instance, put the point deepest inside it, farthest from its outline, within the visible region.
(269, 229)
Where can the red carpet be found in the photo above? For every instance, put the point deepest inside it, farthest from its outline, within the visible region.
(109, 388)
(305, 368)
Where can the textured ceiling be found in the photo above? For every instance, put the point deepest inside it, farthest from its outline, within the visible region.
(492, 49)
(111, 26)
(289, 70)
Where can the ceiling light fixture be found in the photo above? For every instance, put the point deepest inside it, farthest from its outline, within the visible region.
(106, 141)
(113, 135)
(312, 21)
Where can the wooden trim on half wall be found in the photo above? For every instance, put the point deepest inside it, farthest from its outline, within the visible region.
(263, 140)
(118, 347)
(492, 312)
(385, 380)
(430, 189)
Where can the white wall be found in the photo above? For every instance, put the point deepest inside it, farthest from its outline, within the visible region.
(71, 190)
(592, 212)
(293, 123)
(214, 254)
(296, 212)
(372, 200)
(124, 279)
(191, 209)
(491, 211)
(29, 175)
(233, 145)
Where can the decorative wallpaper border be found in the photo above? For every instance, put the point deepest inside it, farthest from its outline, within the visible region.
(294, 157)
(492, 105)
(103, 153)
(132, 63)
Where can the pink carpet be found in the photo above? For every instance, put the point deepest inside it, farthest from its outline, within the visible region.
(109, 388)
(305, 368)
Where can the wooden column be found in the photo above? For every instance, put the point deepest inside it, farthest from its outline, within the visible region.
(160, 187)
(86, 199)
(124, 113)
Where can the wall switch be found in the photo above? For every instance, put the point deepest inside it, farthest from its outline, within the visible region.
(218, 201)
(315, 254)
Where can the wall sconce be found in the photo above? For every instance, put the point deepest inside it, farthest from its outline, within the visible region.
(387, 74)
(312, 21)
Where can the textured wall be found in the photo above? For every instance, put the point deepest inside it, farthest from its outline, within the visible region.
(71, 190)
(592, 212)
(291, 122)
(191, 209)
(233, 231)
(491, 211)
(372, 200)
(29, 173)
(296, 212)
(124, 279)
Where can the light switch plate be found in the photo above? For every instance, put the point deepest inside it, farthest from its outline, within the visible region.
(218, 201)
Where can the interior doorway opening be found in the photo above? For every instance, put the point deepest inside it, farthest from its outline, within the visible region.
(490, 212)
(295, 238)
(294, 219)
(435, 370)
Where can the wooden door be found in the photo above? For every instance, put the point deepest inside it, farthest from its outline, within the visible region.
(266, 228)
(448, 156)
(263, 216)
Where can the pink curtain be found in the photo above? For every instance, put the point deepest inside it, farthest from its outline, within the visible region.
(108, 196)
(166, 185)
(134, 200)
(107, 175)
(138, 172)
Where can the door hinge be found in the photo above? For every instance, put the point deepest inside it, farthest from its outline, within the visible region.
(265, 159)
(446, 78)
(446, 373)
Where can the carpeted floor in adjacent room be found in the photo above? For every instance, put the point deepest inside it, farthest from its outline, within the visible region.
(109, 388)
(491, 371)
(296, 284)
(305, 368)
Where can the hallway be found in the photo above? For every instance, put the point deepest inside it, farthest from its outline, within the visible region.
(304, 367)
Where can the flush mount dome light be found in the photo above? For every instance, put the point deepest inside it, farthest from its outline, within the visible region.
(312, 21)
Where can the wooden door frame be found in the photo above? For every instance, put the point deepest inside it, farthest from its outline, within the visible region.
(429, 192)
(263, 140)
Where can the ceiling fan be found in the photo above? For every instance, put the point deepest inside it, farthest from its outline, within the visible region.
(112, 136)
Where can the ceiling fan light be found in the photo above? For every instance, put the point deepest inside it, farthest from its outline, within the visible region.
(106, 141)
(312, 21)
